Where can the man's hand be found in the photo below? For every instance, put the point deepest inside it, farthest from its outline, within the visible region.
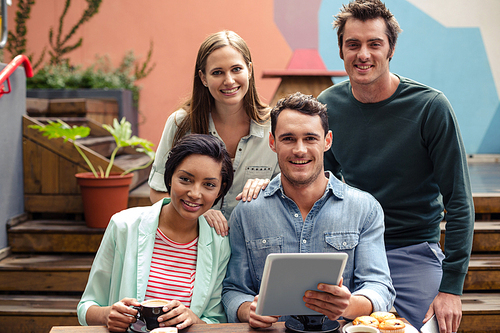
(217, 221)
(246, 313)
(331, 300)
(448, 311)
(252, 189)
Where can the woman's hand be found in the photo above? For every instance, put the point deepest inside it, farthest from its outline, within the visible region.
(217, 221)
(252, 189)
(116, 317)
(178, 315)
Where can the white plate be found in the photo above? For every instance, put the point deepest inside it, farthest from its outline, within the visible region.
(408, 328)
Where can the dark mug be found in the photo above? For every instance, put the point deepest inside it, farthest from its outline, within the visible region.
(149, 311)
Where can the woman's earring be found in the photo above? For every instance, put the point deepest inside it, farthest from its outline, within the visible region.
(204, 84)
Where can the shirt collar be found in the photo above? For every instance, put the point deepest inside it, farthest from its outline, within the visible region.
(335, 186)
(256, 129)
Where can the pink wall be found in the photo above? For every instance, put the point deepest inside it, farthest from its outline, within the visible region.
(177, 28)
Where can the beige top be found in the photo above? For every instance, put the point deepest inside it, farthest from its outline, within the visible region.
(254, 158)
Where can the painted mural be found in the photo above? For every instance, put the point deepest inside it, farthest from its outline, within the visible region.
(451, 58)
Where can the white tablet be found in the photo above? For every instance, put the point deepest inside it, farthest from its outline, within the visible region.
(287, 276)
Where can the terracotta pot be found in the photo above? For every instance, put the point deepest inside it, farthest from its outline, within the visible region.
(103, 197)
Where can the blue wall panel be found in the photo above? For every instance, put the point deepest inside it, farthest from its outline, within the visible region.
(452, 60)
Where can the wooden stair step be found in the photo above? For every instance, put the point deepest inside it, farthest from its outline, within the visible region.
(139, 196)
(486, 236)
(483, 273)
(480, 312)
(28, 313)
(45, 273)
(486, 203)
(54, 236)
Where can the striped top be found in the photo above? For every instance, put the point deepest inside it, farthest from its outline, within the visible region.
(173, 269)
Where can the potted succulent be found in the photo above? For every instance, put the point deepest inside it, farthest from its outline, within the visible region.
(103, 193)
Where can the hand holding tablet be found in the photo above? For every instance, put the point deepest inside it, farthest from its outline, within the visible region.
(287, 276)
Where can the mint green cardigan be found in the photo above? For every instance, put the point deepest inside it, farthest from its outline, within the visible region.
(121, 265)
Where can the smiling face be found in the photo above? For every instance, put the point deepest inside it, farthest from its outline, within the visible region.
(366, 51)
(299, 142)
(195, 185)
(226, 76)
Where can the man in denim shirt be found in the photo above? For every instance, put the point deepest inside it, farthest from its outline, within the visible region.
(306, 210)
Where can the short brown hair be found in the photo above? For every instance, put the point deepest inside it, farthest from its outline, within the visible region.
(305, 104)
(366, 10)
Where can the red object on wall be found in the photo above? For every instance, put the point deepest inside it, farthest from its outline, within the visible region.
(11, 67)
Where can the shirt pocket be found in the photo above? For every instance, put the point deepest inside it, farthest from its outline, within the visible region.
(261, 172)
(258, 250)
(343, 242)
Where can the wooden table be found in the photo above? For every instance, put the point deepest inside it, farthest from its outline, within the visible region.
(222, 328)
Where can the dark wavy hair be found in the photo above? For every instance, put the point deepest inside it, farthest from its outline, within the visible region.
(367, 10)
(201, 144)
(305, 104)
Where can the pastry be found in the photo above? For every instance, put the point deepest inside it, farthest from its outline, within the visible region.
(381, 316)
(366, 320)
(392, 326)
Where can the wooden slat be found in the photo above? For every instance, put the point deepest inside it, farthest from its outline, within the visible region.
(68, 106)
(67, 180)
(37, 106)
(32, 172)
(486, 203)
(483, 273)
(37, 313)
(480, 313)
(45, 273)
(54, 236)
(65, 203)
(139, 196)
(50, 171)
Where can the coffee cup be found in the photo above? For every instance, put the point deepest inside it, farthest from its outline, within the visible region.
(149, 311)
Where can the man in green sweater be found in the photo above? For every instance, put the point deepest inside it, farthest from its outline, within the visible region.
(399, 140)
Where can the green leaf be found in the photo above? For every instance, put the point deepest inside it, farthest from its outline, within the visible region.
(60, 129)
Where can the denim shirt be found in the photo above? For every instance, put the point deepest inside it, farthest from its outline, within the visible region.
(344, 219)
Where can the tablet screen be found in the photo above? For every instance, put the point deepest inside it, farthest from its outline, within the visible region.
(287, 276)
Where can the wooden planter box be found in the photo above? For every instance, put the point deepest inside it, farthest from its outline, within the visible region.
(101, 111)
(50, 165)
(121, 96)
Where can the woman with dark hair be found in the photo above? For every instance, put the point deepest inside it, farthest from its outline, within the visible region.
(225, 104)
(143, 247)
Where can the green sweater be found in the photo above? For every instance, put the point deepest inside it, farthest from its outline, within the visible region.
(408, 153)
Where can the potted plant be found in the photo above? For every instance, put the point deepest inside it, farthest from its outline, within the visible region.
(103, 193)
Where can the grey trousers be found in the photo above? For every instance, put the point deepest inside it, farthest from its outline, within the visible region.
(416, 273)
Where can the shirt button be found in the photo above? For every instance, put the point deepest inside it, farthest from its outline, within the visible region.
(296, 215)
(264, 241)
(304, 241)
(344, 243)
